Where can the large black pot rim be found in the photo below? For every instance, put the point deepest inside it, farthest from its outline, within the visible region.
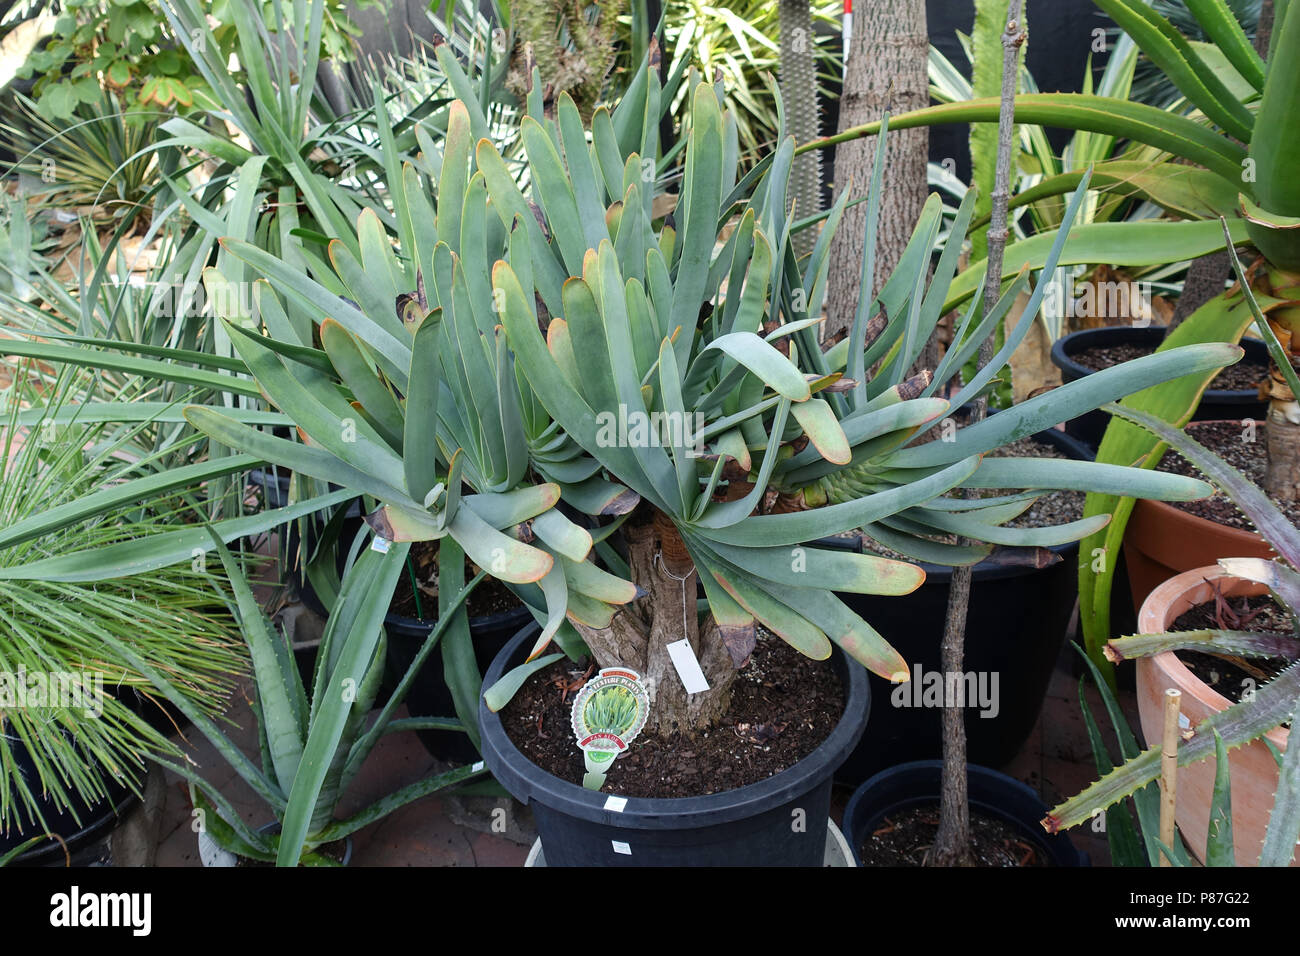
(529, 782)
(1067, 346)
(915, 778)
(1000, 564)
(415, 627)
(51, 850)
(101, 815)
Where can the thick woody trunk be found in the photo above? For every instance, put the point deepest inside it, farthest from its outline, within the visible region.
(887, 70)
(639, 635)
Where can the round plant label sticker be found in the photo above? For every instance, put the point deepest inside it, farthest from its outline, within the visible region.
(608, 713)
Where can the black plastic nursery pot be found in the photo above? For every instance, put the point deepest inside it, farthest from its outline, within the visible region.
(1015, 626)
(991, 794)
(429, 695)
(780, 821)
(92, 821)
(1216, 404)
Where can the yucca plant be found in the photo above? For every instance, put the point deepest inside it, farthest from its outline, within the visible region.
(1273, 704)
(638, 324)
(97, 158)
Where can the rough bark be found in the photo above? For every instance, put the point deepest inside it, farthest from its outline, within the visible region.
(1264, 31)
(799, 96)
(1206, 278)
(640, 632)
(1282, 478)
(886, 70)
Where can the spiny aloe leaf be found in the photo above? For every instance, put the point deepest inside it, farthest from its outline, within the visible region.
(1281, 580)
(1273, 526)
(1272, 705)
(1240, 643)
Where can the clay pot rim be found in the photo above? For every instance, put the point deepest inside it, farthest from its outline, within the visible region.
(1153, 618)
(1196, 521)
(1199, 524)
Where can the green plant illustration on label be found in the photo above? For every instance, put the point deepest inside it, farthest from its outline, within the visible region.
(608, 713)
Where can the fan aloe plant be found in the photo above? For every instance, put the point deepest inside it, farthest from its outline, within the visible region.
(613, 324)
(1272, 704)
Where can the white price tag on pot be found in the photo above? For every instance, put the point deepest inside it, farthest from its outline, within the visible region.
(688, 666)
(621, 847)
(615, 804)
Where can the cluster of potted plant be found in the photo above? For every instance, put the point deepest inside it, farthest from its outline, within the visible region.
(523, 391)
(530, 344)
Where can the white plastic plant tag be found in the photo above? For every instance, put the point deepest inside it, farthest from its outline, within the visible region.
(608, 712)
(688, 666)
(621, 847)
(615, 804)
(381, 545)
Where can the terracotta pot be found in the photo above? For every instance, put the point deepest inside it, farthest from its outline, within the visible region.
(1253, 769)
(1162, 541)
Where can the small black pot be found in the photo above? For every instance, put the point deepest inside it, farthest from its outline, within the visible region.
(1216, 404)
(757, 825)
(429, 695)
(1016, 622)
(991, 793)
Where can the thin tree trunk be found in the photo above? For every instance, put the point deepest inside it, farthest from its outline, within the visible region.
(1264, 30)
(1282, 435)
(886, 71)
(952, 841)
(1206, 278)
(799, 96)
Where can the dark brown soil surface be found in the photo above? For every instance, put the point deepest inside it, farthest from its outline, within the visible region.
(1232, 442)
(783, 706)
(1232, 676)
(904, 839)
(489, 597)
(1243, 376)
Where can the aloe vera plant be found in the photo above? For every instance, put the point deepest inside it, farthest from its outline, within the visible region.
(314, 740)
(1242, 722)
